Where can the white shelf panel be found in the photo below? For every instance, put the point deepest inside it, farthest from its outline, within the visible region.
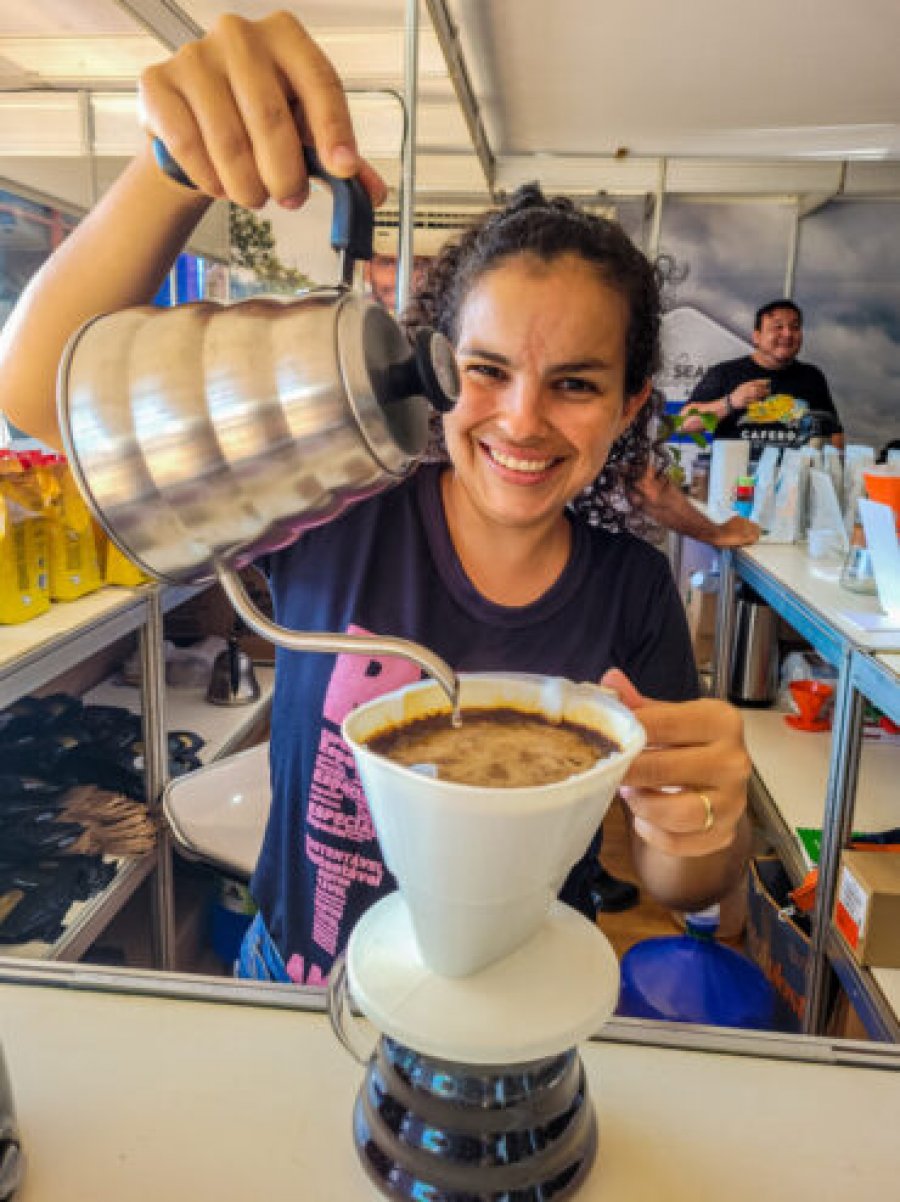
(222, 726)
(888, 981)
(62, 620)
(793, 765)
(34, 653)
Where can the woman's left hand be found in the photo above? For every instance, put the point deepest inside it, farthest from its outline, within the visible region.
(687, 791)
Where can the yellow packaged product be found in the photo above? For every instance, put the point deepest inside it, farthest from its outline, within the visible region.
(74, 564)
(24, 583)
(115, 566)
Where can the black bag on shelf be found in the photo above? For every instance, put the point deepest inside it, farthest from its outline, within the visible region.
(48, 751)
(108, 767)
(65, 743)
(18, 793)
(30, 715)
(48, 890)
(38, 836)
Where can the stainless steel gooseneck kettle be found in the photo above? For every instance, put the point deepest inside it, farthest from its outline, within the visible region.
(204, 435)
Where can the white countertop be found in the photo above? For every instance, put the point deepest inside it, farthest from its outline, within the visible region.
(130, 1099)
(817, 585)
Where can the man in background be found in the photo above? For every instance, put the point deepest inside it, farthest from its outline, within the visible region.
(765, 396)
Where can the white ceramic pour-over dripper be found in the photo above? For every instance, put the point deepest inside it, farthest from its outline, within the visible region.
(479, 867)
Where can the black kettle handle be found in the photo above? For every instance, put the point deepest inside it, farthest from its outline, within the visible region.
(352, 218)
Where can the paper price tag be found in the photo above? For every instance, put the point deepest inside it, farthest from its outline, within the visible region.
(852, 906)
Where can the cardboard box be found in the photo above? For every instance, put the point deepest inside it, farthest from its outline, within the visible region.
(867, 906)
(778, 941)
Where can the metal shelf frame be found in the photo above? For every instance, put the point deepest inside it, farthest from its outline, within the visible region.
(860, 676)
(763, 804)
(876, 682)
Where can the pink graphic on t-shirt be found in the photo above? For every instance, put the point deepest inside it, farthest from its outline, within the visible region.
(294, 968)
(338, 822)
(359, 678)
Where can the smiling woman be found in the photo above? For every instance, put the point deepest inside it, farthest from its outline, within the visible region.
(514, 551)
(555, 316)
(613, 352)
(541, 354)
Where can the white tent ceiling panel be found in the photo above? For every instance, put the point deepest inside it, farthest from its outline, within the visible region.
(444, 175)
(116, 127)
(60, 18)
(579, 93)
(590, 77)
(872, 179)
(316, 14)
(119, 57)
(40, 123)
(378, 54)
(749, 178)
(579, 175)
(586, 176)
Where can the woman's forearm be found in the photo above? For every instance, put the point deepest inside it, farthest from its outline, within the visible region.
(116, 257)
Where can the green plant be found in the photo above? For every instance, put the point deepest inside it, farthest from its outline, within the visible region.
(253, 249)
(673, 423)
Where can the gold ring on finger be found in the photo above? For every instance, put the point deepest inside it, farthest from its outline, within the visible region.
(709, 817)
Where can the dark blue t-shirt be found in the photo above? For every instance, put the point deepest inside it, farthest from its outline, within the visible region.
(388, 567)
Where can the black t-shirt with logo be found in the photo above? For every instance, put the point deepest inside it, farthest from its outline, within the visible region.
(777, 420)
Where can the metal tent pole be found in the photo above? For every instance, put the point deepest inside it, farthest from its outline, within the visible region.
(408, 163)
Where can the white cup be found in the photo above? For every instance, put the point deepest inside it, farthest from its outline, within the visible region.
(479, 867)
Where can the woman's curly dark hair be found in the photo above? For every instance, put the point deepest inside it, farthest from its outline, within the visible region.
(547, 228)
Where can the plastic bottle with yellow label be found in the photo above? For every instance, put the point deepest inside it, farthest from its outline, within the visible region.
(24, 580)
(74, 566)
(115, 566)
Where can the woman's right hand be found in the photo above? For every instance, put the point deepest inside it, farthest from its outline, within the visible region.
(235, 107)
